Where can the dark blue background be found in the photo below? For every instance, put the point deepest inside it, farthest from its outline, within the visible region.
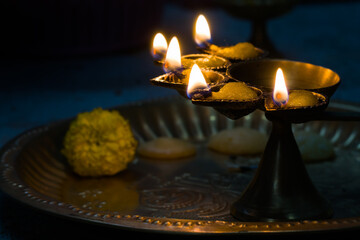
(37, 90)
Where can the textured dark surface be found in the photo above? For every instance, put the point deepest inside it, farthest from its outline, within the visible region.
(39, 91)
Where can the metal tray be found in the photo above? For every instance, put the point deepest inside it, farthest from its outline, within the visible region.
(185, 196)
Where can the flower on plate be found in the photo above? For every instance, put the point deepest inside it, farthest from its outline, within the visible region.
(99, 143)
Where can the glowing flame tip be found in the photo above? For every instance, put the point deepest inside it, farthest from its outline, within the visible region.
(173, 56)
(159, 47)
(280, 94)
(202, 31)
(196, 80)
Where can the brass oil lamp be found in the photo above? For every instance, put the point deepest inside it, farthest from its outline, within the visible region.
(281, 189)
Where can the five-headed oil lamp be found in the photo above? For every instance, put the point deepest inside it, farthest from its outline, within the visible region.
(281, 188)
(159, 48)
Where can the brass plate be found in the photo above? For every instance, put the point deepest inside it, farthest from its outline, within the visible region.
(187, 196)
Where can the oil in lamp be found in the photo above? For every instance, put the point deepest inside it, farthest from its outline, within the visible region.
(205, 61)
(232, 99)
(297, 99)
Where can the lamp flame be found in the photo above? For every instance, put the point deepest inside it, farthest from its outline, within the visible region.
(196, 80)
(202, 31)
(173, 56)
(159, 46)
(280, 94)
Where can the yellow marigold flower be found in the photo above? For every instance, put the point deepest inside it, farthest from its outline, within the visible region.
(99, 143)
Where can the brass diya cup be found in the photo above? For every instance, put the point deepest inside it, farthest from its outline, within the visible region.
(281, 189)
(300, 75)
(179, 81)
(232, 108)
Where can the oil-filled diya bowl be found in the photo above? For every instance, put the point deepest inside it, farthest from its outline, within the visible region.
(179, 80)
(240, 52)
(205, 61)
(232, 99)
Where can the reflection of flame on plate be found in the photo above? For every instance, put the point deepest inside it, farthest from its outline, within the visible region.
(98, 194)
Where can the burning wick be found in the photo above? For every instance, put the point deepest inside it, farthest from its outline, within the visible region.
(172, 63)
(293, 100)
(197, 86)
(280, 94)
(202, 34)
(159, 47)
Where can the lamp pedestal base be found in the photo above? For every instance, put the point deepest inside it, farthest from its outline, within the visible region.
(281, 189)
